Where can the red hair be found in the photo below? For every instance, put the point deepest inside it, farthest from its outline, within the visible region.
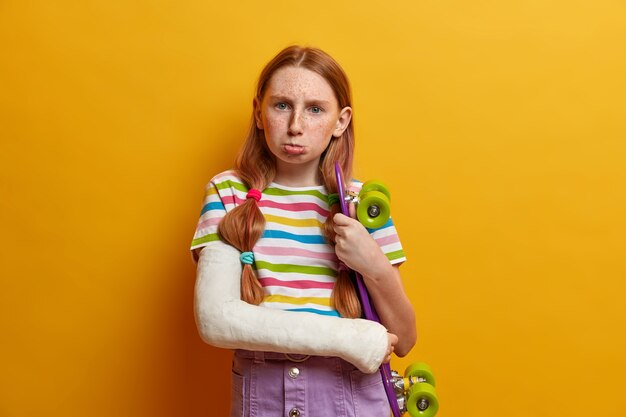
(256, 166)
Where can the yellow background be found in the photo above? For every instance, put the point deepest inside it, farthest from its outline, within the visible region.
(499, 127)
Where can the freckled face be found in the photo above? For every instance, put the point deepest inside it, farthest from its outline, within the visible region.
(299, 115)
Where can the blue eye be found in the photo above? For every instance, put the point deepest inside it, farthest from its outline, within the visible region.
(316, 109)
(281, 106)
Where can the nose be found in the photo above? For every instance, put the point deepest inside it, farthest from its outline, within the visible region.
(295, 124)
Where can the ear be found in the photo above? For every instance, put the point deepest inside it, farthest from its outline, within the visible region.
(345, 115)
(256, 105)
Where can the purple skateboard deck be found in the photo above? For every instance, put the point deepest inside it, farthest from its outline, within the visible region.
(369, 312)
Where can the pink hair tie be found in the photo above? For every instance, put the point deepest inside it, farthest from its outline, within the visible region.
(254, 193)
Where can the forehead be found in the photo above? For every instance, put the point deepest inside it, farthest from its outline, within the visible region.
(299, 82)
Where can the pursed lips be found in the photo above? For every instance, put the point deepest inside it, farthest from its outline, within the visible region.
(293, 149)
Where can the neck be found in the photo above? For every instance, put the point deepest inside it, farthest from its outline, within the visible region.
(298, 175)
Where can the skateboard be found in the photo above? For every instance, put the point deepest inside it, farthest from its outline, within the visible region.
(415, 391)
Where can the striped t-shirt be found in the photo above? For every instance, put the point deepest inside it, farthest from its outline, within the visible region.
(294, 263)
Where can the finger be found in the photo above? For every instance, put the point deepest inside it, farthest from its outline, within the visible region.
(339, 230)
(341, 220)
(352, 210)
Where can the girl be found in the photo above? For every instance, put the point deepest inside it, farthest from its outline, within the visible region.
(272, 248)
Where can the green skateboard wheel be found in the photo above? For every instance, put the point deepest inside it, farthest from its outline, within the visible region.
(420, 370)
(373, 210)
(422, 401)
(375, 186)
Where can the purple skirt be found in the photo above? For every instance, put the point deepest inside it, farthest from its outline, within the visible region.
(267, 384)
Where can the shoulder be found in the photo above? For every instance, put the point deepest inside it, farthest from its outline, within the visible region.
(228, 176)
(227, 180)
(226, 188)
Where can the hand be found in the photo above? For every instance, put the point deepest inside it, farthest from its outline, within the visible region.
(356, 248)
(392, 340)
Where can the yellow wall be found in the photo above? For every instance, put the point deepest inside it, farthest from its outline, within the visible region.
(499, 127)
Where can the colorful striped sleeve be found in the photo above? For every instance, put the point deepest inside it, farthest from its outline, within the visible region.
(220, 196)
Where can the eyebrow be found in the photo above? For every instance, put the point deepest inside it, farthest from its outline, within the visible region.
(309, 101)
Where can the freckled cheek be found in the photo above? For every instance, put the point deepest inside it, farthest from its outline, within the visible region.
(275, 125)
(322, 127)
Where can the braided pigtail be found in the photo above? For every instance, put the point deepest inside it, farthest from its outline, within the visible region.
(344, 297)
(241, 228)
